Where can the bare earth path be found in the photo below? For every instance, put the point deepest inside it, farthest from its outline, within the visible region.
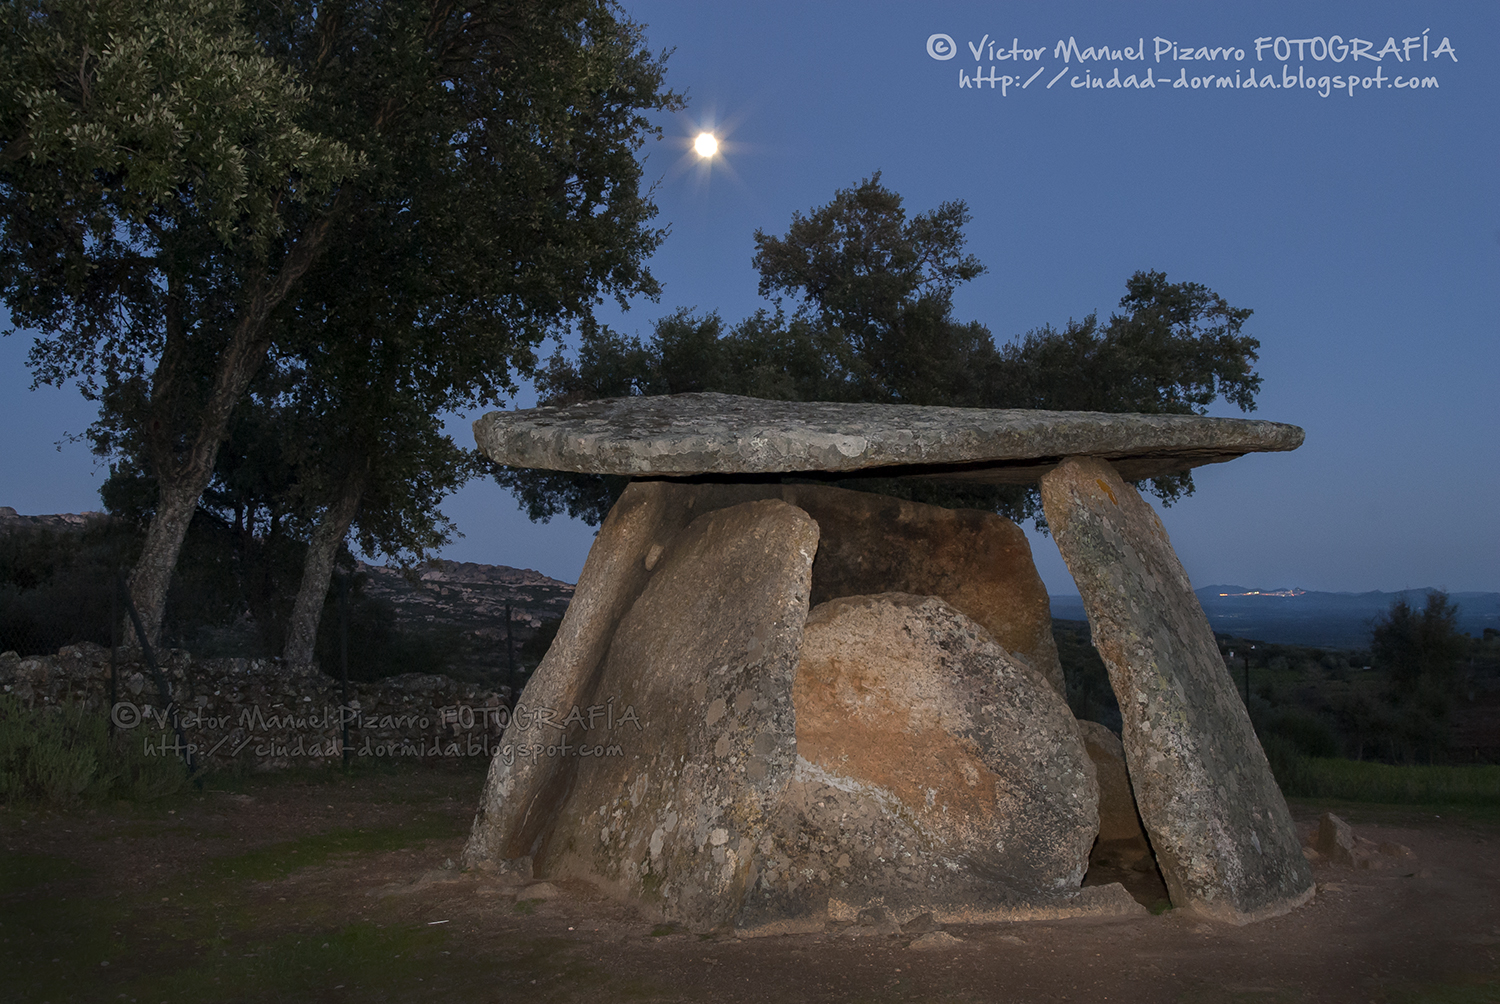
(333, 888)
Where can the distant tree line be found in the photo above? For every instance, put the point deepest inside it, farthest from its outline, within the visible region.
(1396, 702)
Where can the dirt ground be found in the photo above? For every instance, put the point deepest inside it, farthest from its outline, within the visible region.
(339, 888)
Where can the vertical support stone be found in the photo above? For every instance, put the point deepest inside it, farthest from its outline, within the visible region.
(1223, 836)
(976, 561)
(670, 817)
(522, 796)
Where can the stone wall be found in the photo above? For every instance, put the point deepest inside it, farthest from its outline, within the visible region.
(257, 714)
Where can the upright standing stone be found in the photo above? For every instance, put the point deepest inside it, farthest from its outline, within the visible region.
(977, 561)
(1223, 837)
(705, 658)
(935, 774)
(522, 794)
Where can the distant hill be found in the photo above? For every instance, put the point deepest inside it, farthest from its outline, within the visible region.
(1309, 617)
(470, 597)
(10, 519)
(468, 601)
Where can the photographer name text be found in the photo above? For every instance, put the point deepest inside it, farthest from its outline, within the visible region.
(1318, 64)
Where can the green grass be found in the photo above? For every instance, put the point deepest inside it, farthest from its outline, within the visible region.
(207, 935)
(19, 872)
(1362, 781)
(279, 860)
(62, 755)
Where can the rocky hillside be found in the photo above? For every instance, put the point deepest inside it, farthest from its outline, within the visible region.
(9, 518)
(471, 600)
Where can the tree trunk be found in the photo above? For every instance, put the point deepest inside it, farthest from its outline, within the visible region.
(302, 632)
(181, 482)
(152, 575)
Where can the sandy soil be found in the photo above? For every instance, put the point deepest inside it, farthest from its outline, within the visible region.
(335, 888)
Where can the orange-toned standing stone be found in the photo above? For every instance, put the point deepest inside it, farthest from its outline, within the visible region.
(977, 561)
(935, 774)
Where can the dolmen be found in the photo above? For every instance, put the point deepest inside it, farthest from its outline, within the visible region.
(776, 704)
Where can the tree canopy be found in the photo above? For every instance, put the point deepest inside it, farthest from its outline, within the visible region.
(187, 187)
(1419, 649)
(872, 320)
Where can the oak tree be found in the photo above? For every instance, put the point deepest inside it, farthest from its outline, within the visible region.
(171, 171)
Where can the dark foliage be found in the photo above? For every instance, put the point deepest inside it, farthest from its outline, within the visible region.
(378, 644)
(230, 597)
(1418, 649)
(1090, 695)
(55, 585)
(1315, 702)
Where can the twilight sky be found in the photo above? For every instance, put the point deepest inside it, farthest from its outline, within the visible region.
(1361, 227)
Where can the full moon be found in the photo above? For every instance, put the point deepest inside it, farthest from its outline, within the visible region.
(706, 145)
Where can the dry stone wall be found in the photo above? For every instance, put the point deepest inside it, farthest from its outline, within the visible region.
(257, 714)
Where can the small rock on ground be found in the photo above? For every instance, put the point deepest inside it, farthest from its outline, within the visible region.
(936, 939)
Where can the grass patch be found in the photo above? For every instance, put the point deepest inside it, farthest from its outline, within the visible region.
(266, 864)
(62, 755)
(1362, 781)
(204, 936)
(53, 935)
(19, 872)
(412, 782)
(399, 960)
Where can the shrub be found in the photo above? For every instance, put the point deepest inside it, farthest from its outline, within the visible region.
(1363, 781)
(55, 585)
(1288, 765)
(59, 755)
(1310, 734)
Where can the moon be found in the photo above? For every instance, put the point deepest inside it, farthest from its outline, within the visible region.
(706, 145)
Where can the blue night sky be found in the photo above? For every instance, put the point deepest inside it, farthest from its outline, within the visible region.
(1361, 228)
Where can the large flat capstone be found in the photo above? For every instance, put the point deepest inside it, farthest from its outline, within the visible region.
(720, 434)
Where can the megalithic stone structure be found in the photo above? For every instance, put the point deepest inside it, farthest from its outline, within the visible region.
(756, 793)
(1223, 837)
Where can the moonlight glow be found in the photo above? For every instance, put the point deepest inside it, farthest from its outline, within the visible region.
(706, 145)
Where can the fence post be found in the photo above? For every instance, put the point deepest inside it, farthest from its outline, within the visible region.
(114, 648)
(344, 661)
